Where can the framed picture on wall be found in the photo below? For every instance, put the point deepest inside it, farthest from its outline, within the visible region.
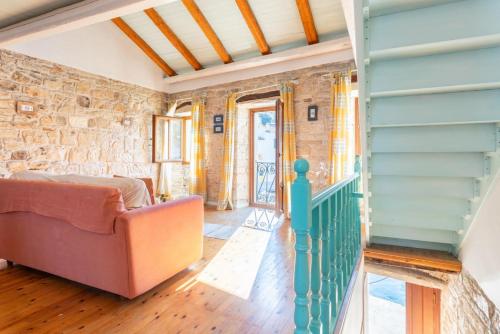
(218, 119)
(312, 113)
(218, 128)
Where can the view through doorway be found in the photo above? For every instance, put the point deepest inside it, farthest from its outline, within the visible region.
(264, 158)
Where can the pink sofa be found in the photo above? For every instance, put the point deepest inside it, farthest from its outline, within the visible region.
(84, 233)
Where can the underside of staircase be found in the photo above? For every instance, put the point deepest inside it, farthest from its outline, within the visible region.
(432, 112)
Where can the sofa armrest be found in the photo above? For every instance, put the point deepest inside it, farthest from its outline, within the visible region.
(161, 240)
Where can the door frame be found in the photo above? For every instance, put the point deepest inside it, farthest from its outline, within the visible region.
(251, 160)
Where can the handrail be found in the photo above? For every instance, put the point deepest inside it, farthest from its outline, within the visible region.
(327, 249)
(330, 190)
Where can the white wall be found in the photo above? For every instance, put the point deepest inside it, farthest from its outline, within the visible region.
(480, 250)
(354, 322)
(100, 49)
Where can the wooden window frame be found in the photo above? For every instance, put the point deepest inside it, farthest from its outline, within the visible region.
(185, 159)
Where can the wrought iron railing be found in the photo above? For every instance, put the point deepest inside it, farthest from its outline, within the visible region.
(330, 222)
(265, 182)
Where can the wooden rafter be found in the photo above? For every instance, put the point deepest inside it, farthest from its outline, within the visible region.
(253, 25)
(307, 21)
(127, 30)
(200, 19)
(172, 37)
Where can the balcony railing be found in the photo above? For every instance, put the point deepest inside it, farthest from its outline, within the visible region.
(265, 183)
(330, 222)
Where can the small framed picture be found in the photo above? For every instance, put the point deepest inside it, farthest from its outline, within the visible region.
(218, 128)
(312, 113)
(218, 119)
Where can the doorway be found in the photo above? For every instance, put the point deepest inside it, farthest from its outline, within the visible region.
(264, 171)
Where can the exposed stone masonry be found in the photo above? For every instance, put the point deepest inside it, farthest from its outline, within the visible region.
(465, 308)
(82, 123)
(312, 137)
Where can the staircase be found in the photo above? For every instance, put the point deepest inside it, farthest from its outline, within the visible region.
(432, 112)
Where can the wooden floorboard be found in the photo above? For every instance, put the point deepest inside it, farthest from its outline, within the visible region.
(412, 257)
(36, 302)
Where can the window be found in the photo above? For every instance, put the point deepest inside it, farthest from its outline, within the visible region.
(171, 139)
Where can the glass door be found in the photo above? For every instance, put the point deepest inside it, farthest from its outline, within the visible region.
(263, 153)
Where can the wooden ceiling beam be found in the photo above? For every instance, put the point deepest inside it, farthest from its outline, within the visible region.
(307, 21)
(200, 19)
(172, 37)
(127, 30)
(253, 25)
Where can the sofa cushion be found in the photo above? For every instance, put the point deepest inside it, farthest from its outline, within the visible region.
(134, 191)
(89, 208)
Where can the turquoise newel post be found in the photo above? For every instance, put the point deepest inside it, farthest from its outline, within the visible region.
(301, 223)
(325, 266)
(315, 272)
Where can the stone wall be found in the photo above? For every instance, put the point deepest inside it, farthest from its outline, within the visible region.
(465, 309)
(312, 137)
(82, 123)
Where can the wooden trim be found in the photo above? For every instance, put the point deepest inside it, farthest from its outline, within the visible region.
(307, 21)
(254, 27)
(423, 309)
(258, 96)
(172, 37)
(407, 258)
(198, 16)
(183, 160)
(251, 161)
(143, 46)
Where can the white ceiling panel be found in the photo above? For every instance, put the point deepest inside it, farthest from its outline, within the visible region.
(184, 26)
(13, 11)
(230, 26)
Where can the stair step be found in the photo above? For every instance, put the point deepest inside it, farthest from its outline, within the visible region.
(428, 164)
(386, 7)
(451, 108)
(390, 204)
(425, 221)
(411, 233)
(449, 138)
(420, 50)
(421, 186)
(443, 70)
(434, 24)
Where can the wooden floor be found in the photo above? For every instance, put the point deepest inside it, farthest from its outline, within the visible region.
(35, 302)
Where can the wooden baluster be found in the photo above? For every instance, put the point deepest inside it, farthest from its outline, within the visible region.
(315, 272)
(333, 250)
(350, 235)
(345, 252)
(326, 222)
(301, 223)
(341, 244)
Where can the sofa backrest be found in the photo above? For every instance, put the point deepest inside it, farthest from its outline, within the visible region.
(89, 208)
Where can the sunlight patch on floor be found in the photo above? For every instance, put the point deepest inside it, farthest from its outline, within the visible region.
(235, 266)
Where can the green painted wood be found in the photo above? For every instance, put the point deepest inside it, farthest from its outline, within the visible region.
(326, 222)
(451, 108)
(315, 234)
(436, 138)
(428, 164)
(301, 223)
(330, 219)
(402, 186)
(435, 24)
(412, 233)
(469, 67)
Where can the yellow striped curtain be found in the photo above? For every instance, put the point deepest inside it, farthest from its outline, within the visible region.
(289, 149)
(198, 171)
(226, 182)
(339, 138)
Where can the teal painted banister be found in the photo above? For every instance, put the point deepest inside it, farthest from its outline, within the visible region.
(328, 221)
(301, 223)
